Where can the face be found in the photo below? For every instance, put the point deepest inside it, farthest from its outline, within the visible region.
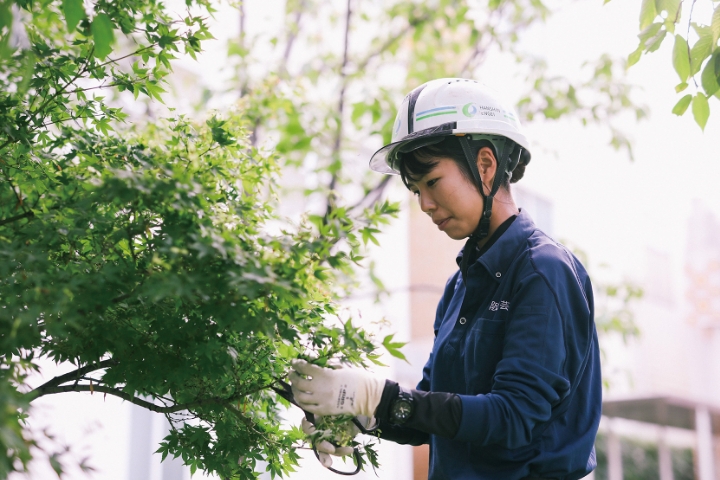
(452, 202)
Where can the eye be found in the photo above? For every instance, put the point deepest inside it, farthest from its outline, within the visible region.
(415, 192)
(432, 182)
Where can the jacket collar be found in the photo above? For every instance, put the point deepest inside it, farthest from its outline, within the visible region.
(501, 254)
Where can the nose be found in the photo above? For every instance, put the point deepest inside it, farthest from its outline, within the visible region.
(427, 204)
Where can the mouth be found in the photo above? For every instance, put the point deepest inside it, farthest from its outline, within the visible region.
(442, 223)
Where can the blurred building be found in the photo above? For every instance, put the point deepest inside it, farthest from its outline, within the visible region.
(674, 397)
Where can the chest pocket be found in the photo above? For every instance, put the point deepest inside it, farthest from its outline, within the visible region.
(489, 326)
(483, 351)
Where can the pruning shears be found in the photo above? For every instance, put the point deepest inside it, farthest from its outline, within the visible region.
(285, 391)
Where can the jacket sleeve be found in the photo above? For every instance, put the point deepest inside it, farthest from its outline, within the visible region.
(548, 335)
(436, 413)
(404, 435)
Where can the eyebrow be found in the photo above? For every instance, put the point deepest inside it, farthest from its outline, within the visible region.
(412, 181)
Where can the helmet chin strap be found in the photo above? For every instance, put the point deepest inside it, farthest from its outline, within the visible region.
(483, 228)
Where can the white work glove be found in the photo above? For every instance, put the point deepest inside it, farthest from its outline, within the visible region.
(335, 391)
(324, 442)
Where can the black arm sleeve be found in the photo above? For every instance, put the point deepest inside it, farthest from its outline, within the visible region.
(436, 413)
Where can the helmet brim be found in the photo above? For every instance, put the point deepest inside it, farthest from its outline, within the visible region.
(385, 159)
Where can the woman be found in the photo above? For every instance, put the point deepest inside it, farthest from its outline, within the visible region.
(512, 387)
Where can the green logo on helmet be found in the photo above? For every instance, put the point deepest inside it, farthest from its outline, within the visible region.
(470, 110)
(474, 110)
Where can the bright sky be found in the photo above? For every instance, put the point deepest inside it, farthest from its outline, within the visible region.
(608, 205)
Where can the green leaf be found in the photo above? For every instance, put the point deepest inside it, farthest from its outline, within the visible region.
(650, 32)
(358, 110)
(715, 26)
(368, 234)
(648, 13)
(655, 42)
(670, 6)
(680, 87)
(699, 52)
(711, 74)
(701, 30)
(74, 12)
(701, 110)
(681, 58)
(682, 106)
(634, 57)
(154, 90)
(393, 347)
(28, 68)
(6, 15)
(102, 31)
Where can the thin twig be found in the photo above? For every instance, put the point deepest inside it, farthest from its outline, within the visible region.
(687, 37)
(479, 50)
(60, 91)
(115, 60)
(294, 32)
(62, 120)
(374, 192)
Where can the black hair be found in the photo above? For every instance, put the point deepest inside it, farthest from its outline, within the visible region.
(417, 163)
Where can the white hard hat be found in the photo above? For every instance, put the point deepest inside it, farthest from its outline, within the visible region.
(443, 107)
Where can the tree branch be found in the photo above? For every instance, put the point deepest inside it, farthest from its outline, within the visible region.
(225, 402)
(374, 193)
(292, 36)
(42, 391)
(18, 196)
(480, 50)
(28, 214)
(337, 144)
(477, 51)
(60, 91)
(75, 375)
(412, 24)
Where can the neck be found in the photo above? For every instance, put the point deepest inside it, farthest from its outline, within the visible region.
(503, 208)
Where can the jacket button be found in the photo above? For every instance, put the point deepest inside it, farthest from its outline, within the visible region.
(462, 320)
(498, 274)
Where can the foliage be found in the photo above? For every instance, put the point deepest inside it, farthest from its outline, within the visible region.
(696, 52)
(345, 66)
(615, 313)
(614, 303)
(640, 460)
(154, 251)
(152, 259)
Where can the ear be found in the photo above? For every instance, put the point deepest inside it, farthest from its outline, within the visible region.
(487, 166)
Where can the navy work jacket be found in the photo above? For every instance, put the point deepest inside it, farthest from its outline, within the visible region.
(517, 342)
